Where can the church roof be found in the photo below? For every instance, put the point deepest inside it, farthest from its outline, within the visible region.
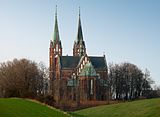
(71, 62)
(98, 62)
(88, 70)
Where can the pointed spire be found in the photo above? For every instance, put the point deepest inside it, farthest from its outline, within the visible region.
(79, 48)
(79, 34)
(56, 31)
(56, 12)
(79, 12)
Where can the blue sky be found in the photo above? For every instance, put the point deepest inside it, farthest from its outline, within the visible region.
(125, 30)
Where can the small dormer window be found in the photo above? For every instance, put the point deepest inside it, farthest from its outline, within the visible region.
(57, 48)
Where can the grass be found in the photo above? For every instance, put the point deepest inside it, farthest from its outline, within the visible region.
(14, 107)
(141, 108)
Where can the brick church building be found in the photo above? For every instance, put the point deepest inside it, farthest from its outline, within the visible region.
(79, 77)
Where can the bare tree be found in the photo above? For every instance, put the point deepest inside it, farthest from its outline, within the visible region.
(127, 81)
(21, 78)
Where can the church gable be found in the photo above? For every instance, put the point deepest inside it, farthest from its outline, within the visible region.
(88, 70)
(83, 61)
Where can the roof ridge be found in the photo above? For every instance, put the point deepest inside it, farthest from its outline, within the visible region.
(71, 56)
(97, 56)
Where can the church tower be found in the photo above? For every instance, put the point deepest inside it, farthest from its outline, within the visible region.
(79, 48)
(55, 48)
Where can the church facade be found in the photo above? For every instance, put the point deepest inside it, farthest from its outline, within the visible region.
(79, 77)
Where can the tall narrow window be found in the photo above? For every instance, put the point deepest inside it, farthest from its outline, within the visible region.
(56, 47)
(91, 92)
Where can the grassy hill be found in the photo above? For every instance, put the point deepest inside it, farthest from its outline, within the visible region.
(141, 108)
(14, 107)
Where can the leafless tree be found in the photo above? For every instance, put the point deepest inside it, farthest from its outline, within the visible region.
(127, 81)
(21, 78)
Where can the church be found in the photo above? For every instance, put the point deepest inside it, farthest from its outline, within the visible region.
(79, 77)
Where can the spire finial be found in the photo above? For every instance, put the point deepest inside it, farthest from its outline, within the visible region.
(56, 11)
(79, 11)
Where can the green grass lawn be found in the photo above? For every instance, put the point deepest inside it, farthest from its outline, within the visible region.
(141, 108)
(14, 107)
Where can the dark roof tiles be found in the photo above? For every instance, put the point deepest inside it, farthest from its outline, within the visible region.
(98, 62)
(71, 62)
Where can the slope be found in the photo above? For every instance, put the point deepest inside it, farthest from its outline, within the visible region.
(141, 108)
(15, 107)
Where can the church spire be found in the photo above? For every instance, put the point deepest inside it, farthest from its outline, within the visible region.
(79, 12)
(56, 42)
(79, 48)
(79, 33)
(56, 31)
(56, 11)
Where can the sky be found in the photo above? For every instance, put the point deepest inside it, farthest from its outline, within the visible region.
(123, 30)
